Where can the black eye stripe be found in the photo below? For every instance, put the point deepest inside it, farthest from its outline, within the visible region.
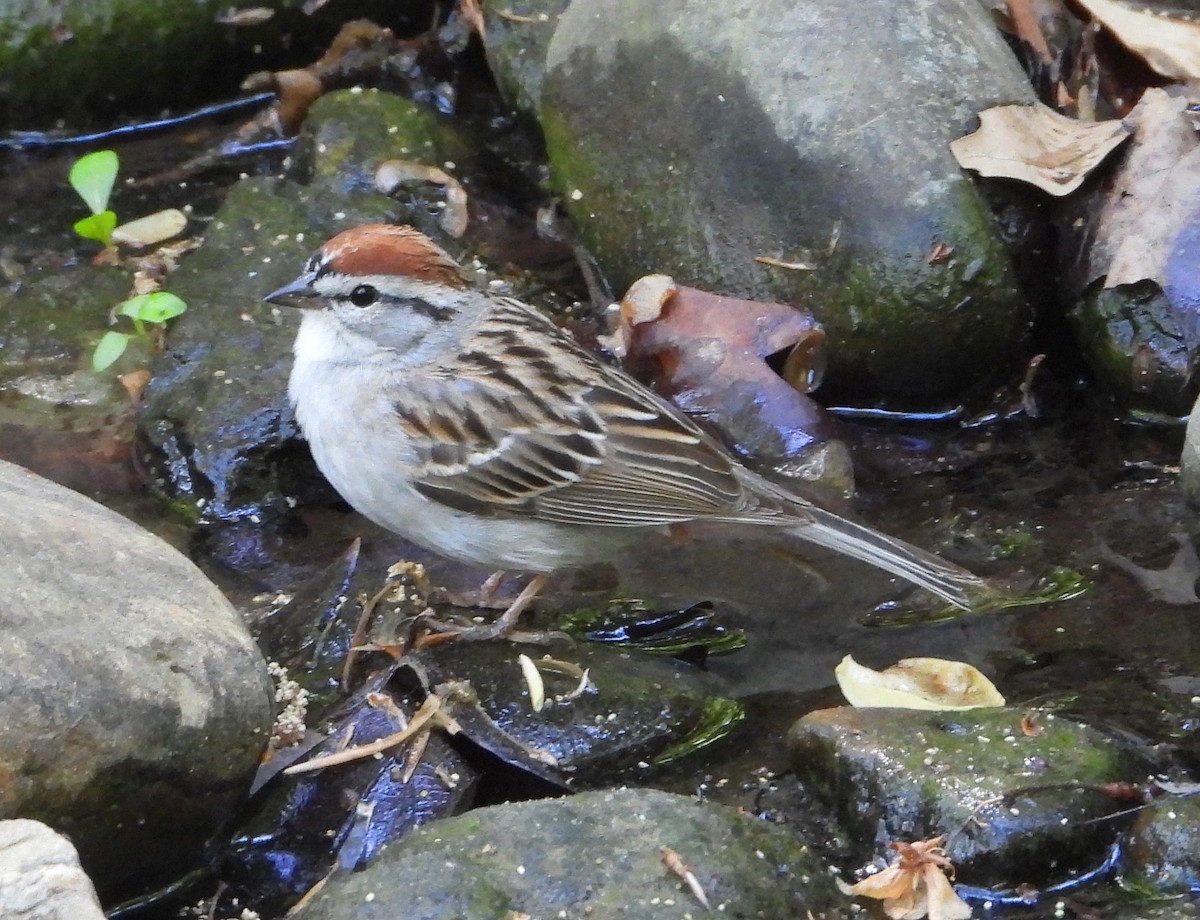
(367, 295)
(433, 311)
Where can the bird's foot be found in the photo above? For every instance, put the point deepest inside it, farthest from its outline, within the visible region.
(505, 626)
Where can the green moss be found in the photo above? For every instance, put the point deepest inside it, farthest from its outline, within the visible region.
(352, 131)
(903, 327)
(898, 325)
(1135, 340)
(56, 317)
(74, 58)
(635, 231)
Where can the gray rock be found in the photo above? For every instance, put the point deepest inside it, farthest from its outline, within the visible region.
(597, 854)
(134, 703)
(1163, 851)
(40, 875)
(1189, 463)
(1015, 792)
(690, 138)
(516, 47)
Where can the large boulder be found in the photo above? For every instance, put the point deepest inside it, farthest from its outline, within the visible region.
(134, 703)
(692, 138)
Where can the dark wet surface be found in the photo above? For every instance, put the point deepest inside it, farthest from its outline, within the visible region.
(1010, 500)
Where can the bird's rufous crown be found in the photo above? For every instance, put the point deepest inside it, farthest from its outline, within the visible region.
(388, 249)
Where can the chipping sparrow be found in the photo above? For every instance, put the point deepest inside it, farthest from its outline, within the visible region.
(470, 424)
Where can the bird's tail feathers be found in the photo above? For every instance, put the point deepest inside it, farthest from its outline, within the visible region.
(945, 579)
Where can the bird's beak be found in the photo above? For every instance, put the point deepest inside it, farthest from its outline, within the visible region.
(299, 293)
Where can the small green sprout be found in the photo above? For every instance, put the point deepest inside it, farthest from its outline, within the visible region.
(154, 309)
(93, 177)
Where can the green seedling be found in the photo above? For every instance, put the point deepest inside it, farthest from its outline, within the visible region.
(93, 177)
(148, 312)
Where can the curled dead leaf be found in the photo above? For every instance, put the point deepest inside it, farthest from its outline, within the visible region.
(745, 365)
(134, 383)
(1153, 200)
(917, 683)
(646, 298)
(644, 302)
(916, 884)
(391, 174)
(1171, 46)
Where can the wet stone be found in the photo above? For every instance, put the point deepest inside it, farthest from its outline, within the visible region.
(1163, 854)
(135, 703)
(1016, 792)
(739, 149)
(597, 854)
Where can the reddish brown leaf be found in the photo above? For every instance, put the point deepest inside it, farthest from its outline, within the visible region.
(710, 355)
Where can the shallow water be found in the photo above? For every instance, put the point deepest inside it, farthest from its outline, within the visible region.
(1010, 500)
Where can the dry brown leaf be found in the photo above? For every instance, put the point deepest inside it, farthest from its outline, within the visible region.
(708, 353)
(1170, 46)
(660, 315)
(1035, 144)
(915, 885)
(134, 383)
(391, 174)
(1156, 195)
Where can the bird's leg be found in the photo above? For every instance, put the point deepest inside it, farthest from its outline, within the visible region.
(483, 596)
(491, 584)
(505, 624)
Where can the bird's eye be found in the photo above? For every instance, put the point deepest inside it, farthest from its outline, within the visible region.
(364, 295)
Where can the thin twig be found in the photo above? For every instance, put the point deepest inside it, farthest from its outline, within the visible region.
(427, 711)
(360, 634)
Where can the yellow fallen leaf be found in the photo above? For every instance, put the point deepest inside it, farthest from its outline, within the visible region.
(151, 229)
(917, 683)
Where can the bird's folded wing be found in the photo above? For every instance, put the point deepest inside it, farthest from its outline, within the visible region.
(600, 450)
